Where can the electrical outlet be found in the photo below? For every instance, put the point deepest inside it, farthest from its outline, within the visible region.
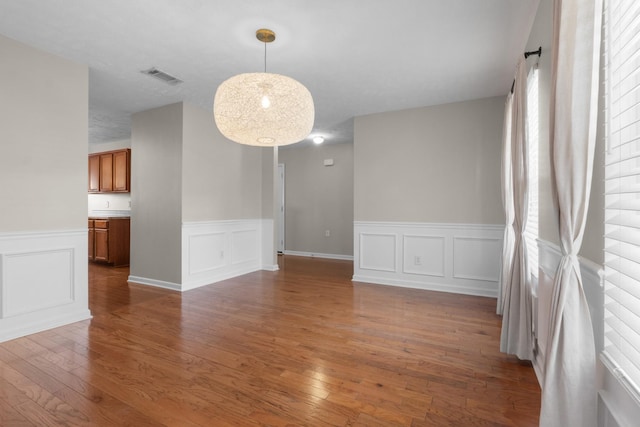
(221, 254)
(106, 204)
(417, 260)
(327, 233)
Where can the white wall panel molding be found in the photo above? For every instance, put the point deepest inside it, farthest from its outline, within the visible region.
(201, 247)
(378, 251)
(43, 281)
(428, 255)
(245, 246)
(474, 258)
(458, 258)
(217, 250)
(55, 267)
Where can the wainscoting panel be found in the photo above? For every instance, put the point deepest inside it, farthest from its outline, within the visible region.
(474, 258)
(423, 255)
(458, 258)
(23, 270)
(378, 251)
(217, 250)
(244, 246)
(203, 249)
(43, 281)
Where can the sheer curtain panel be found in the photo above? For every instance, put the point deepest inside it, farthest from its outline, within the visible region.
(507, 203)
(568, 391)
(517, 333)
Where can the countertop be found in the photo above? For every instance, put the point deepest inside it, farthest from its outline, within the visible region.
(109, 214)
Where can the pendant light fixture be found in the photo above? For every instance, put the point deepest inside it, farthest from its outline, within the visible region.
(263, 109)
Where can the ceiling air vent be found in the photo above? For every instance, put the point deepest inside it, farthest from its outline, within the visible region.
(161, 75)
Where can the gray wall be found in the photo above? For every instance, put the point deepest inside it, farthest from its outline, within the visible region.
(434, 164)
(268, 182)
(43, 140)
(184, 170)
(318, 198)
(156, 193)
(221, 179)
(541, 35)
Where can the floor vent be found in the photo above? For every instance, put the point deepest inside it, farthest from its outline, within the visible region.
(161, 75)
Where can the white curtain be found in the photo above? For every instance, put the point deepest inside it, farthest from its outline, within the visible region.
(568, 392)
(507, 203)
(517, 333)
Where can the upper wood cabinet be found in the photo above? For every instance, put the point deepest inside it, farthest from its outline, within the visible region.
(122, 170)
(94, 174)
(110, 172)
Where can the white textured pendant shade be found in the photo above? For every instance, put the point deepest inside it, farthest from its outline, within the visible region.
(263, 109)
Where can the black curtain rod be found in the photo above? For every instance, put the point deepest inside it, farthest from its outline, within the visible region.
(526, 55)
(533, 52)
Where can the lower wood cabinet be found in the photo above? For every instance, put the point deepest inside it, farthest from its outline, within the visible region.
(109, 240)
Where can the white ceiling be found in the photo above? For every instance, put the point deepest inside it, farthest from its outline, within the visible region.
(355, 56)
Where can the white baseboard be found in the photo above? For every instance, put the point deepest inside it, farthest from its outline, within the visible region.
(274, 267)
(155, 283)
(457, 258)
(319, 255)
(43, 281)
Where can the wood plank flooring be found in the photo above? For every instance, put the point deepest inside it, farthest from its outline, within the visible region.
(303, 346)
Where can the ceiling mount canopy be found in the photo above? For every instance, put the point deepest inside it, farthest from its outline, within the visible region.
(263, 109)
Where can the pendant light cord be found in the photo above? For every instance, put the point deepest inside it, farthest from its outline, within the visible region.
(265, 57)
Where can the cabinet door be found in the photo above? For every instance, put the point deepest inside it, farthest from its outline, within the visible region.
(106, 172)
(94, 174)
(101, 245)
(92, 232)
(121, 168)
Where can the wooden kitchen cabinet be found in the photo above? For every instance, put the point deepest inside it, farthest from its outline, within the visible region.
(94, 174)
(122, 171)
(92, 234)
(110, 172)
(109, 240)
(106, 172)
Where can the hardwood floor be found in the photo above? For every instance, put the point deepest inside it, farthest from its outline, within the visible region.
(303, 346)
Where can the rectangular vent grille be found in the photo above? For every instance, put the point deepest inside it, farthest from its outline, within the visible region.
(161, 75)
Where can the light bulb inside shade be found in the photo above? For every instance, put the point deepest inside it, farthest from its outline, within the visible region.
(318, 140)
(265, 102)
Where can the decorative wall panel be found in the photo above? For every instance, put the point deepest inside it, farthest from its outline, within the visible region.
(43, 281)
(217, 250)
(459, 258)
(378, 251)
